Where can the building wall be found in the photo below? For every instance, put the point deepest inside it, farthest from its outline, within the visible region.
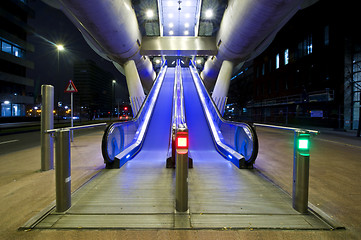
(15, 88)
(95, 90)
(300, 78)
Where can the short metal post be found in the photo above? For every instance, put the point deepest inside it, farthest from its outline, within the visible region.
(62, 171)
(47, 123)
(182, 175)
(301, 165)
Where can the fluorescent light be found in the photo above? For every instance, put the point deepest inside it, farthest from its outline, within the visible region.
(186, 32)
(188, 3)
(149, 13)
(187, 15)
(171, 32)
(209, 13)
(186, 25)
(170, 15)
(171, 25)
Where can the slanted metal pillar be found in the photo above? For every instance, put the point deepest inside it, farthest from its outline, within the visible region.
(220, 90)
(47, 123)
(135, 87)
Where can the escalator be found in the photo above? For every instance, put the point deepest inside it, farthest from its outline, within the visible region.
(141, 193)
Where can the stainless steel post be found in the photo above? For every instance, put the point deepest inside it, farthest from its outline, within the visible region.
(182, 176)
(301, 165)
(62, 170)
(47, 123)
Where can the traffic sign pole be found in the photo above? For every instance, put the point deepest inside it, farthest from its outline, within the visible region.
(71, 116)
(70, 88)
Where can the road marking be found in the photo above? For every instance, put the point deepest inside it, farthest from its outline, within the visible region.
(10, 141)
(340, 143)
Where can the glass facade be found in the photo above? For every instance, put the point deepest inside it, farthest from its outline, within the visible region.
(12, 110)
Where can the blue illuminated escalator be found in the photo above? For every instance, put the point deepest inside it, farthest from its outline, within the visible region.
(148, 131)
(210, 136)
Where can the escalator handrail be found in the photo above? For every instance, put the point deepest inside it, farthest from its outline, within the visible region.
(142, 119)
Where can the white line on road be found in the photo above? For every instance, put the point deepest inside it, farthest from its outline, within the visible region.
(341, 143)
(10, 141)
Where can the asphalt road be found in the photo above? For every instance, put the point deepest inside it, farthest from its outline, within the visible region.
(21, 141)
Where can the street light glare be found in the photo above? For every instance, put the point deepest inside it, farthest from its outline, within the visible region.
(60, 47)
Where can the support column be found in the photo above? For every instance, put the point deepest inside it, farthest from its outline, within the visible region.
(220, 90)
(135, 87)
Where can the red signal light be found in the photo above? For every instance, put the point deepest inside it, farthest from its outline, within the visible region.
(182, 142)
(125, 108)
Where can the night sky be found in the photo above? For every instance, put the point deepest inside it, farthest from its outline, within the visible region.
(52, 25)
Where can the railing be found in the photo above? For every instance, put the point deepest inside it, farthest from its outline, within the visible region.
(63, 164)
(181, 145)
(122, 140)
(316, 96)
(178, 113)
(235, 141)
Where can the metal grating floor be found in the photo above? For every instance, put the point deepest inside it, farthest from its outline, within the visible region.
(140, 195)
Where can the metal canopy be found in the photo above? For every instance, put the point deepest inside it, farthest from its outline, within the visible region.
(178, 46)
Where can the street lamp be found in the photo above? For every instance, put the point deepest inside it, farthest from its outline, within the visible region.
(59, 48)
(111, 110)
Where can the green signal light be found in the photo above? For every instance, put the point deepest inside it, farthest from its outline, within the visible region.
(303, 144)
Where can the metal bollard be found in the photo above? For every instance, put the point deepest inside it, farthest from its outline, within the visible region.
(47, 123)
(301, 165)
(62, 170)
(182, 170)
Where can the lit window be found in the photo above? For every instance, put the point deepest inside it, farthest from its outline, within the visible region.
(327, 35)
(307, 45)
(12, 49)
(277, 61)
(286, 57)
(6, 47)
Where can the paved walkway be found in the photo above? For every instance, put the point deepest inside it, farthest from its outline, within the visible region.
(334, 189)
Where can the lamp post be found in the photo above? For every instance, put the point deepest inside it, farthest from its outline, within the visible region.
(59, 48)
(111, 110)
